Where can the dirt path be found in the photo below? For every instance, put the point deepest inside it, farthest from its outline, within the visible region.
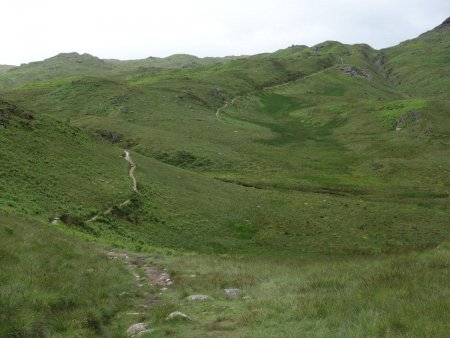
(225, 106)
(145, 276)
(302, 78)
(230, 103)
(132, 169)
(127, 157)
(107, 211)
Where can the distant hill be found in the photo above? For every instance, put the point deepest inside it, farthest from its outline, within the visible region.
(74, 64)
(5, 68)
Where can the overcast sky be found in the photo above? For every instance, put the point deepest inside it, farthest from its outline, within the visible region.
(130, 29)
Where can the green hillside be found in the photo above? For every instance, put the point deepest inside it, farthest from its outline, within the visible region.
(316, 179)
(73, 64)
(54, 285)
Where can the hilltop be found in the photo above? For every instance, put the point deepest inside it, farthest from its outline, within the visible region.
(5, 68)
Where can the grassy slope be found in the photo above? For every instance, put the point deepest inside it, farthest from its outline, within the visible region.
(52, 285)
(68, 172)
(429, 52)
(400, 296)
(48, 167)
(322, 132)
(73, 64)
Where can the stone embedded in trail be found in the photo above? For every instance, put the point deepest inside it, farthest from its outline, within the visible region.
(233, 293)
(136, 329)
(143, 333)
(157, 277)
(178, 315)
(199, 298)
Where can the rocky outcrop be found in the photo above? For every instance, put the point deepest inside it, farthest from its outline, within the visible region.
(232, 293)
(199, 298)
(406, 119)
(136, 329)
(8, 111)
(176, 315)
(356, 72)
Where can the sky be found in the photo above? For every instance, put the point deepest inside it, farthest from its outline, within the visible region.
(33, 30)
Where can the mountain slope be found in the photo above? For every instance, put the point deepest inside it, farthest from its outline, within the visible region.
(421, 66)
(57, 285)
(73, 64)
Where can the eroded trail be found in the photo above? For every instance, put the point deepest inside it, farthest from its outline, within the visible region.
(230, 103)
(127, 157)
(225, 106)
(132, 169)
(302, 78)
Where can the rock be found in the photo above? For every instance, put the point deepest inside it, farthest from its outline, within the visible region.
(233, 293)
(143, 333)
(199, 298)
(407, 118)
(443, 26)
(136, 328)
(178, 315)
(349, 71)
(367, 74)
(355, 72)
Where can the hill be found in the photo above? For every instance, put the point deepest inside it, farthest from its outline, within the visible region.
(73, 64)
(5, 68)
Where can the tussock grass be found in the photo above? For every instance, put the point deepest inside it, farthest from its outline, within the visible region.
(396, 296)
(54, 285)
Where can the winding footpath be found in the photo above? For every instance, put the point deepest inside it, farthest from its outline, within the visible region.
(225, 106)
(230, 103)
(302, 78)
(127, 157)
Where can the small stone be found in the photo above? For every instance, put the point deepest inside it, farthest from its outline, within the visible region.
(232, 293)
(178, 315)
(198, 298)
(136, 328)
(143, 333)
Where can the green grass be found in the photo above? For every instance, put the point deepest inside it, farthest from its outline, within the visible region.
(53, 285)
(391, 112)
(48, 168)
(398, 296)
